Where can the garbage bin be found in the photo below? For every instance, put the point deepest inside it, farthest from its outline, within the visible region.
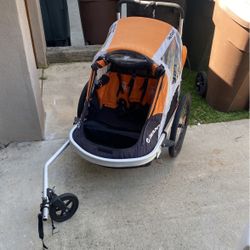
(228, 74)
(56, 22)
(96, 17)
(170, 15)
(198, 32)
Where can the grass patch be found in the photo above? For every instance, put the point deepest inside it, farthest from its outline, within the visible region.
(201, 112)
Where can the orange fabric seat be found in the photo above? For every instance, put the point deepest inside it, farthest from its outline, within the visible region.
(108, 95)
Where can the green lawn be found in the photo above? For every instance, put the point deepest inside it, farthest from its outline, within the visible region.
(201, 112)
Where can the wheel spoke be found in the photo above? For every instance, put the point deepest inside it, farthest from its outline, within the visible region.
(68, 202)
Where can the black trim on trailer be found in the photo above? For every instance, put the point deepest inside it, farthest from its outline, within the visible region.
(173, 106)
(141, 148)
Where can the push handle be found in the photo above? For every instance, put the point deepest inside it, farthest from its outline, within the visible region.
(155, 4)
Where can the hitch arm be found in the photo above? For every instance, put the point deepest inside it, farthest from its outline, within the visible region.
(45, 198)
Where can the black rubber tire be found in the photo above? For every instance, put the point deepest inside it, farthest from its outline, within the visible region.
(81, 101)
(185, 103)
(201, 83)
(57, 215)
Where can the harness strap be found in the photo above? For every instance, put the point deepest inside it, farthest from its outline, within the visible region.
(131, 84)
(144, 89)
(120, 89)
(40, 224)
(40, 229)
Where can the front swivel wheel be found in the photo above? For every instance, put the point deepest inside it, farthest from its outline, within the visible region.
(63, 207)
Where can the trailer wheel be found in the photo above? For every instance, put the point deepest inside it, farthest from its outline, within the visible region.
(61, 213)
(201, 83)
(81, 101)
(179, 126)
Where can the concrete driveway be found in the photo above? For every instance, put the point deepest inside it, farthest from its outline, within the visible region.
(197, 201)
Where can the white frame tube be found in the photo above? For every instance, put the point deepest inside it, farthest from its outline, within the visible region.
(45, 178)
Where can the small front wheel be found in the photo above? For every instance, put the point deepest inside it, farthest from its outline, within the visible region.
(64, 207)
(179, 125)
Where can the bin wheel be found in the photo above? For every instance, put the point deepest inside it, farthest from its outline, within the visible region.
(81, 101)
(61, 212)
(179, 125)
(201, 83)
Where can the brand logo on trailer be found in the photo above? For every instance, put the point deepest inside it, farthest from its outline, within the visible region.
(171, 35)
(148, 139)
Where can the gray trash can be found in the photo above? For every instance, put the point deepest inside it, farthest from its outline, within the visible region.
(97, 16)
(198, 32)
(56, 22)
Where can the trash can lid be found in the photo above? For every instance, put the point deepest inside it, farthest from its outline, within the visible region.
(238, 10)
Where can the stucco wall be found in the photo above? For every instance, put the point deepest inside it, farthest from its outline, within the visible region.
(21, 109)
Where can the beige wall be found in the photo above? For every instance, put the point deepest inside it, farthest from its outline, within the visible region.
(21, 109)
(37, 32)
